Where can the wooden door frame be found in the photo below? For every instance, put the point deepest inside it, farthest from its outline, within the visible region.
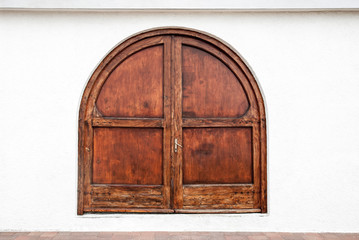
(98, 77)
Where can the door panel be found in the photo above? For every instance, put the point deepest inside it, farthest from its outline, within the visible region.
(217, 155)
(218, 197)
(135, 87)
(210, 89)
(128, 138)
(127, 197)
(127, 156)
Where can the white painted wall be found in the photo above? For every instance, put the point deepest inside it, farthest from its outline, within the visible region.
(306, 63)
(184, 4)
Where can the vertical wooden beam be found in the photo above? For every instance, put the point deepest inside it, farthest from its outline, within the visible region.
(167, 95)
(177, 122)
(263, 151)
(88, 156)
(256, 165)
(80, 185)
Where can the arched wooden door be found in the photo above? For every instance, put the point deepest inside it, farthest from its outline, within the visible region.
(172, 120)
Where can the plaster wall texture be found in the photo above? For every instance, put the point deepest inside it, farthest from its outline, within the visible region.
(306, 63)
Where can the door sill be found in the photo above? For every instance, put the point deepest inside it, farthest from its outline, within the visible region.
(252, 210)
(124, 210)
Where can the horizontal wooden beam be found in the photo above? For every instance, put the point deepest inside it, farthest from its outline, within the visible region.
(104, 189)
(127, 210)
(219, 122)
(117, 122)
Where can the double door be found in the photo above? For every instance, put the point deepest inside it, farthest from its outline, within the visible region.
(171, 125)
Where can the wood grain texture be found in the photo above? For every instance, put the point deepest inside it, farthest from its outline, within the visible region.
(167, 121)
(263, 164)
(135, 87)
(217, 155)
(167, 46)
(219, 122)
(127, 156)
(219, 211)
(233, 66)
(210, 89)
(218, 197)
(127, 196)
(125, 189)
(177, 176)
(116, 122)
(126, 210)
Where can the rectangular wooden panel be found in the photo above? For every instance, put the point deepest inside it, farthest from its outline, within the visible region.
(128, 156)
(217, 155)
(218, 197)
(127, 196)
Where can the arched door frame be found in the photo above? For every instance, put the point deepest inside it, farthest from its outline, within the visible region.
(150, 38)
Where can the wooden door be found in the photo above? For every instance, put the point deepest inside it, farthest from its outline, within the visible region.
(172, 121)
(218, 127)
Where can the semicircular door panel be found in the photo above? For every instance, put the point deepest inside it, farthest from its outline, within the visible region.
(210, 88)
(135, 87)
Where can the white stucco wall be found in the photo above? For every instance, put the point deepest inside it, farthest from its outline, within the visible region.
(306, 63)
(184, 4)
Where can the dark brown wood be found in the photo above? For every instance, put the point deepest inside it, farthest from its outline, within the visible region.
(127, 156)
(210, 89)
(221, 211)
(219, 196)
(232, 65)
(263, 163)
(177, 124)
(88, 156)
(88, 111)
(80, 170)
(251, 118)
(127, 210)
(256, 164)
(142, 122)
(137, 89)
(217, 155)
(167, 122)
(127, 196)
(219, 122)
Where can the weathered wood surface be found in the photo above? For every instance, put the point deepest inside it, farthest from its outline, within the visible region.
(135, 87)
(167, 121)
(219, 211)
(127, 156)
(127, 196)
(218, 197)
(219, 122)
(127, 210)
(159, 86)
(210, 89)
(126, 122)
(217, 155)
(177, 176)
